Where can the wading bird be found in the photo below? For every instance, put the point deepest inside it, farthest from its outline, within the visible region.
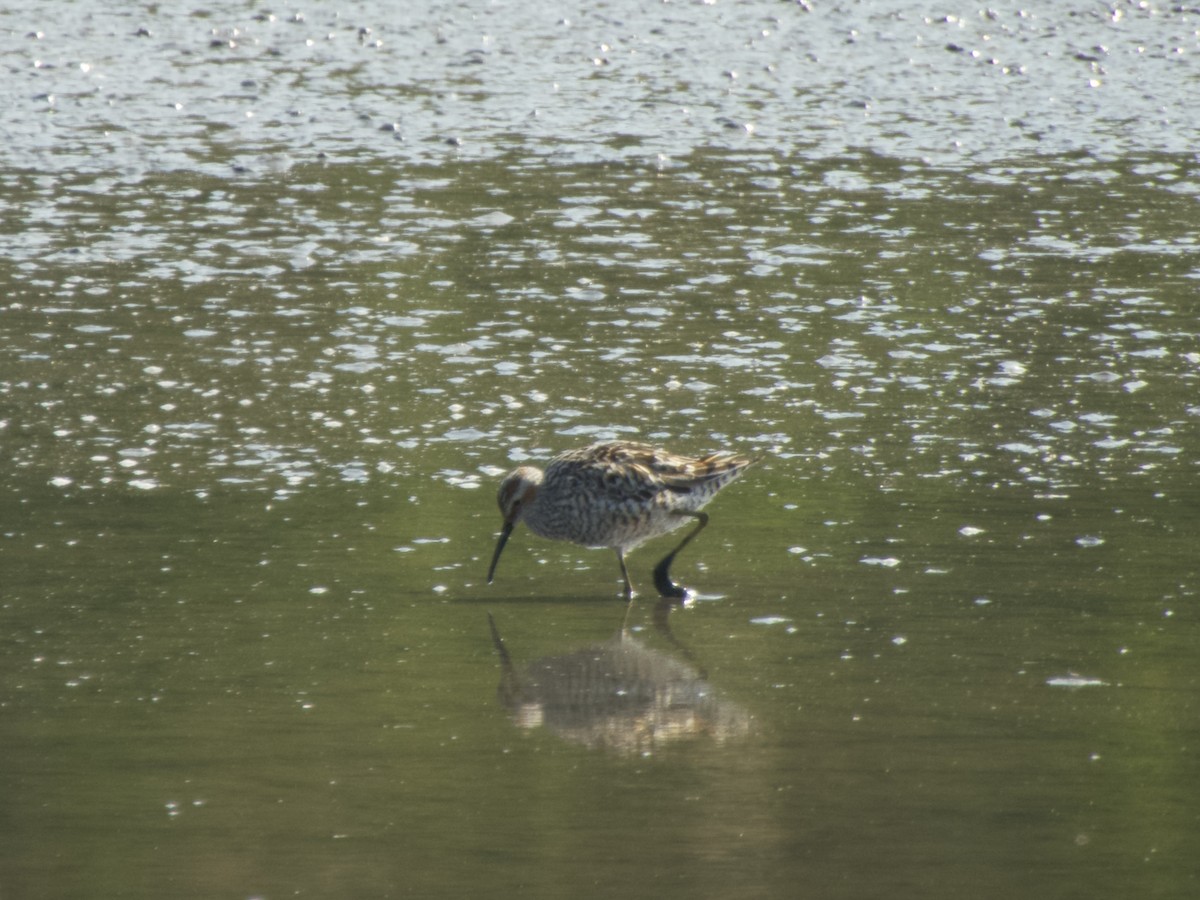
(616, 495)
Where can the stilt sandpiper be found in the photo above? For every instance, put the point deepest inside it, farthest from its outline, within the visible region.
(616, 495)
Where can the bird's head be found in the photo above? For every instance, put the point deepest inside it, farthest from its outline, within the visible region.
(517, 491)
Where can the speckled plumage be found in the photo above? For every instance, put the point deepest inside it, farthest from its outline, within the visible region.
(615, 495)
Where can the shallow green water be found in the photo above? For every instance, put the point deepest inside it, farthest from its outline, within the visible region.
(262, 374)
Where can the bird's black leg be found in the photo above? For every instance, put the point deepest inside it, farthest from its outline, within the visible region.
(625, 575)
(662, 575)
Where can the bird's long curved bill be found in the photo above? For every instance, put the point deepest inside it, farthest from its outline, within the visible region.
(504, 533)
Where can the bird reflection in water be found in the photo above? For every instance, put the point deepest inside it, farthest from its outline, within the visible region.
(620, 695)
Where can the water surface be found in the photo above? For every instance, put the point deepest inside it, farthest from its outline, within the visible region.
(286, 294)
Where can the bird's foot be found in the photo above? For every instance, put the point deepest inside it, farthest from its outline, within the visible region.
(663, 583)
